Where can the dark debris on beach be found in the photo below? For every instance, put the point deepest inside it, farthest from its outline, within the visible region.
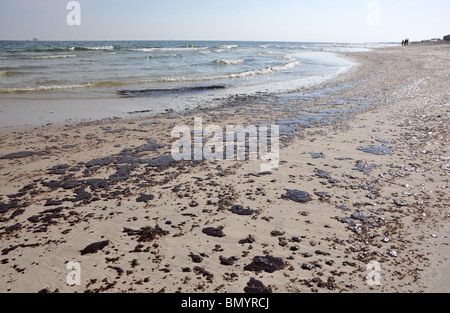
(75, 196)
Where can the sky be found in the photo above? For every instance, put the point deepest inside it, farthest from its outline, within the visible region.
(233, 20)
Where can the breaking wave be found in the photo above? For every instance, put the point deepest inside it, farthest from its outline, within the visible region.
(44, 57)
(229, 62)
(245, 74)
(73, 48)
(228, 46)
(10, 73)
(91, 48)
(168, 49)
(268, 70)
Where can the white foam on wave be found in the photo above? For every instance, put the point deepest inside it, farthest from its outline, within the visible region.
(100, 48)
(229, 62)
(92, 48)
(10, 73)
(287, 57)
(43, 57)
(43, 88)
(167, 49)
(46, 88)
(246, 74)
(228, 46)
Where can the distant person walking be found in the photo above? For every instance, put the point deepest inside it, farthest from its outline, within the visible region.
(403, 43)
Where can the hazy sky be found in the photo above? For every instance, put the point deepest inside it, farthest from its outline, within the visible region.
(258, 20)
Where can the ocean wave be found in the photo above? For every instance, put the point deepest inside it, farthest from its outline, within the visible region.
(287, 57)
(228, 46)
(229, 62)
(91, 48)
(43, 57)
(50, 88)
(265, 53)
(245, 74)
(65, 49)
(22, 67)
(45, 88)
(144, 50)
(168, 49)
(10, 73)
(43, 50)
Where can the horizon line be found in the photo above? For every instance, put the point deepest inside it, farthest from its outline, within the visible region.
(193, 40)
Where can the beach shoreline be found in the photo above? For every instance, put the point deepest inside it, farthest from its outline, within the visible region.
(53, 109)
(105, 181)
(115, 79)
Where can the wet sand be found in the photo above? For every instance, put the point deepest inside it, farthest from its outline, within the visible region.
(370, 149)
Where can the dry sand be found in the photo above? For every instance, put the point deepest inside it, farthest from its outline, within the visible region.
(84, 184)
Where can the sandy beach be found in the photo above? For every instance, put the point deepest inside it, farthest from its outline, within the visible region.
(369, 148)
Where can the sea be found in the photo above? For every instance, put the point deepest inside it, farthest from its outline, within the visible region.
(74, 68)
(158, 72)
